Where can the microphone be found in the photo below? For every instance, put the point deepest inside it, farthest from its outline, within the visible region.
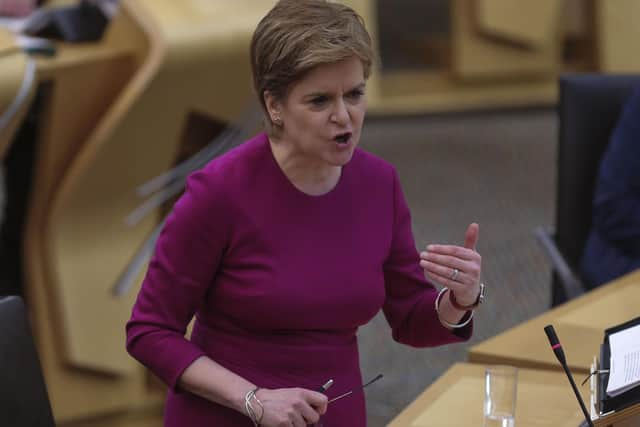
(557, 349)
(555, 344)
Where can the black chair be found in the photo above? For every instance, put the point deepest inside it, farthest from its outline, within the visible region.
(588, 111)
(24, 401)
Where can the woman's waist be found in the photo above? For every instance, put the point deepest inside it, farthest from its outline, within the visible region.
(295, 354)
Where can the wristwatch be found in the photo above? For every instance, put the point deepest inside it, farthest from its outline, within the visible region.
(479, 300)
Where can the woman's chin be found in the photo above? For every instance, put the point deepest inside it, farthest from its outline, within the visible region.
(342, 158)
(343, 150)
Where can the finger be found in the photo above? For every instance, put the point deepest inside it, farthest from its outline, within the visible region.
(447, 273)
(455, 287)
(454, 251)
(468, 266)
(471, 236)
(309, 414)
(322, 409)
(315, 399)
(297, 420)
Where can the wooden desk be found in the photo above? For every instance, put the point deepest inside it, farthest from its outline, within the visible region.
(456, 398)
(151, 417)
(617, 28)
(115, 113)
(580, 325)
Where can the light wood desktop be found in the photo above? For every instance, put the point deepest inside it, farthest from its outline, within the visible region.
(532, 24)
(580, 326)
(544, 398)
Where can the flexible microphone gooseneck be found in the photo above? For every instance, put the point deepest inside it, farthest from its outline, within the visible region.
(557, 349)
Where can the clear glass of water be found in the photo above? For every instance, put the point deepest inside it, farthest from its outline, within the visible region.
(500, 391)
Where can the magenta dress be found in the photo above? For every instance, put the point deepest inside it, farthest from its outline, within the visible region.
(280, 281)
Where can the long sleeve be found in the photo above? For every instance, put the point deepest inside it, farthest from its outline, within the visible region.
(410, 300)
(187, 255)
(617, 199)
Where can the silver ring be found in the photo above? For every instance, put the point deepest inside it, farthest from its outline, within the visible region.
(454, 274)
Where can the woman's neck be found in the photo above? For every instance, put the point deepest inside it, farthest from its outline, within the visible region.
(313, 178)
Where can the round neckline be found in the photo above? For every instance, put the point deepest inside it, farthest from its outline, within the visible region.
(283, 177)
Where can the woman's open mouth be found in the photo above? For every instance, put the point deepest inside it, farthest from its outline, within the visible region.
(343, 138)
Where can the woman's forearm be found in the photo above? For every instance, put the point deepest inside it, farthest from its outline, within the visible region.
(211, 381)
(208, 379)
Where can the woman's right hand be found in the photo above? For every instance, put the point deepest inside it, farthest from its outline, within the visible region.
(287, 407)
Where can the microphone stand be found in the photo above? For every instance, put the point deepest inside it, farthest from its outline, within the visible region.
(557, 350)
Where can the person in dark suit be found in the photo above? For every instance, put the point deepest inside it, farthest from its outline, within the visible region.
(613, 245)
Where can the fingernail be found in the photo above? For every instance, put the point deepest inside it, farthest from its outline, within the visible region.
(430, 247)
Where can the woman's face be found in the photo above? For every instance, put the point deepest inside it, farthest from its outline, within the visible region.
(322, 113)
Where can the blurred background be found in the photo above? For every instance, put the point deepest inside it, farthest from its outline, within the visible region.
(99, 97)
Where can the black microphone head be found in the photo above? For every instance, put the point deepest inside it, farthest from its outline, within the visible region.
(555, 343)
(551, 334)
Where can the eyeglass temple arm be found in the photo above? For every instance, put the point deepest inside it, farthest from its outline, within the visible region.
(352, 391)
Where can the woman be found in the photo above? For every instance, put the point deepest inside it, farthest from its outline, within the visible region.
(285, 245)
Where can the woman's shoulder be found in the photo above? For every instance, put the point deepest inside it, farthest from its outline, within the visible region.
(235, 163)
(226, 173)
(241, 157)
(369, 165)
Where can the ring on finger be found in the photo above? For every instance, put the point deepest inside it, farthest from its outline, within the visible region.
(454, 274)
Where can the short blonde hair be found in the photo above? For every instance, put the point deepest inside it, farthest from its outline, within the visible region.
(298, 35)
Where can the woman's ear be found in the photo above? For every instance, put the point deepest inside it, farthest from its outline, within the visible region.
(273, 108)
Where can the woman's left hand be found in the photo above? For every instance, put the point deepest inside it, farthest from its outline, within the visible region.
(456, 267)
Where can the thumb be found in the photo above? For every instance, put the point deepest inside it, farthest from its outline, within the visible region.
(471, 236)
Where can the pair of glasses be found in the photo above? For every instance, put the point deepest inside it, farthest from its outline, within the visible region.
(360, 389)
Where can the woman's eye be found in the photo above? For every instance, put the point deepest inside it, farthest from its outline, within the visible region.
(356, 94)
(319, 100)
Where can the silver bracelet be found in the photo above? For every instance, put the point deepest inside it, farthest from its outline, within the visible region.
(444, 322)
(251, 394)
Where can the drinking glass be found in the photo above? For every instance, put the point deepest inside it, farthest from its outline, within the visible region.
(500, 390)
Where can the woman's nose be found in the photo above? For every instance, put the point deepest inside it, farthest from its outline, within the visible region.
(340, 114)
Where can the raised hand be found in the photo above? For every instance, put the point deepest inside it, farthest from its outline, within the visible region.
(456, 267)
